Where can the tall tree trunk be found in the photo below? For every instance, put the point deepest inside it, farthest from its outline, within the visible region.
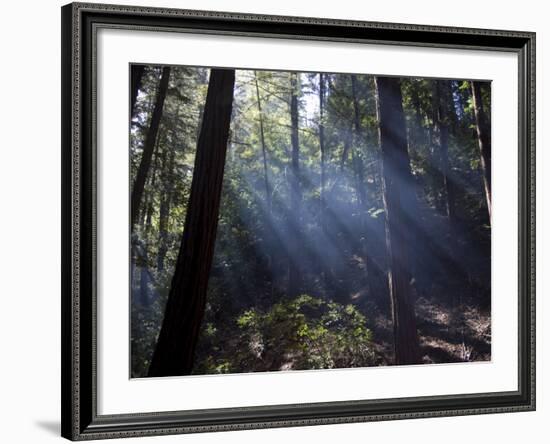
(345, 151)
(136, 78)
(268, 213)
(399, 204)
(149, 206)
(148, 147)
(361, 186)
(262, 140)
(142, 216)
(294, 271)
(435, 167)
(140, 245)
(325, 266)
(443, 118)
(141, 262)
(356, 159)
(168, 163)
(322, 148)
(145, 277)
(175, 349)
(166, 202)
(418, 127)
(484, 140)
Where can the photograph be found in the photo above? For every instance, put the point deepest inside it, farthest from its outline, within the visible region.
(283, 220)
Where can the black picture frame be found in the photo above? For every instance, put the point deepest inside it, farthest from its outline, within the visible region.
(79, 386)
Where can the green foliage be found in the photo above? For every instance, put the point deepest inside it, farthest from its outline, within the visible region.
(375, 212)
(298, 334)
(146, 322)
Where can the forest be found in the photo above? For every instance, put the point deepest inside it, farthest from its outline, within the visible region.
(298, 220)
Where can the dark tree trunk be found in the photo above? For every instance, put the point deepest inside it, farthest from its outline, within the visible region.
(136, 79)
(141, 262)
(165, 203)
(325, 267)
(443, 118)
(399, 204)
(484, 140)
(294, 271)
(150, 204)
(268, 212)
(418, 127)
(149, 183)
(322, 148)
(140, 244)
(175, 349)
(356, 159)
(144, 279)
(262, 140)
(360, 180)
(435, 168)
(168, 181)
(345, 151)
(148, 147)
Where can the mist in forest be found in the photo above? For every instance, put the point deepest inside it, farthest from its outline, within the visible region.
(297, 221)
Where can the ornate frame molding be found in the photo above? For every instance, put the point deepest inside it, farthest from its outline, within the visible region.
(80, 420)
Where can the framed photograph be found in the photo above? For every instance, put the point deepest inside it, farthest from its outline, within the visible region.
(280, 221)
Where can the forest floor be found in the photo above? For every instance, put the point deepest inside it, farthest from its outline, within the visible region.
(446, 335)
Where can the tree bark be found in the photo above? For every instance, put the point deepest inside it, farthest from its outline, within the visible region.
(443, 117)
(418, 128)
(139, 250)
(168, 164)
(165, 203)
(150, 203)
(345, 150)
(136, 78)
(140, 245)
(145, 277)
(175, 349)
(360, 183)
(399, 204)
(356, 159)
(148, 148)
(294, 271)
(322, 148)
(435, 169)
(262, 140)
(268, 200)
(484, 140)
(149, 182)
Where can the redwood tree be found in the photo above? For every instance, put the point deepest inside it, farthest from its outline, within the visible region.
(262, 140)
(399, 205)
(149, 146)
(168, 166)
(175, 349)
(484, 140)
(294, 272)
(136, 77)
(322, 147)
(359, 138)
(442, 117)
